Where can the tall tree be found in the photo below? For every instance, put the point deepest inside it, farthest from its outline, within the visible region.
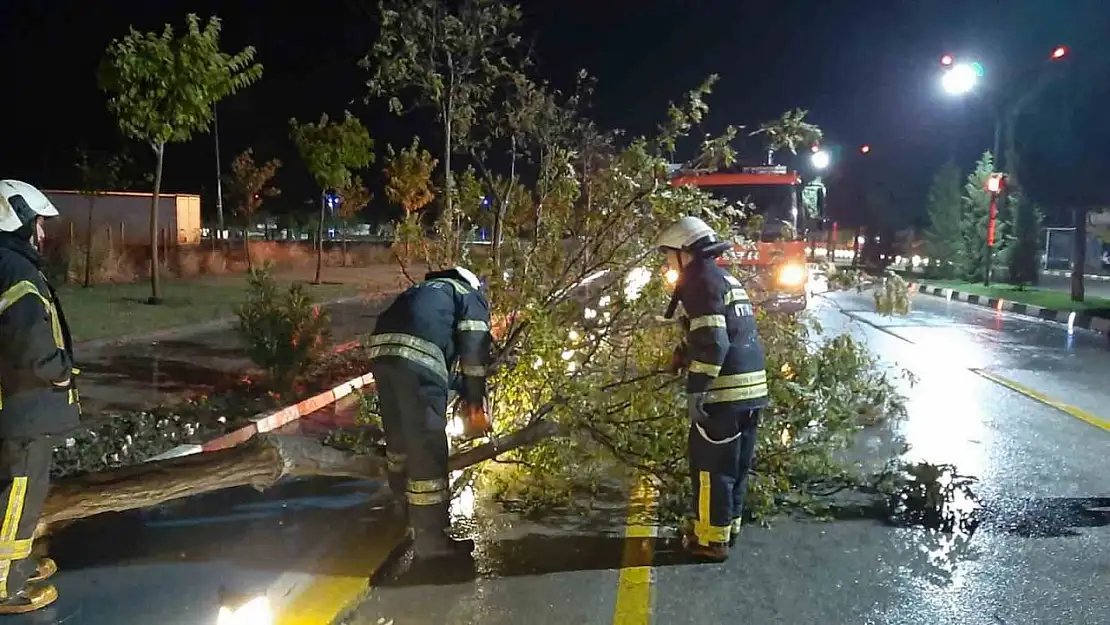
(162, 88)
(789, 132)
(1025, 220)
(944, 238)
(249, 185)
(976, 215)
(331, 150)
(449, 57)
(98, 176)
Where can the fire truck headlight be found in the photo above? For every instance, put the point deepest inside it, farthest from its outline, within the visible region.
(254, 612)
(792, 274)
(671, 277)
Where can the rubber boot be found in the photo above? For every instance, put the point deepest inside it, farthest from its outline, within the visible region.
(713, 552)
(31, 598)
(397, 489)
(430, 539)
(734, 532)
(45, 569)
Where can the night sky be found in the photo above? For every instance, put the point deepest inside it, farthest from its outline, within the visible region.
(867, 75)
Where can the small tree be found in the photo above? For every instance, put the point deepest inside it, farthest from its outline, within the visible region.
(789, 132)
(1025, 226)
(944, 238)
(353, 197)
(249, 186)
(98, 177)
(162, 89)
(451, 59)
(408, 177)
(331, 150)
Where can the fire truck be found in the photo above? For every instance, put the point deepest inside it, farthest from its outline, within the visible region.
(774, 266)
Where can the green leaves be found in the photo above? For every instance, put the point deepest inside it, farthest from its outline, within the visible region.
(943, 239)
(162, 87)
(789, 132)
(332, 149)
(250, 182)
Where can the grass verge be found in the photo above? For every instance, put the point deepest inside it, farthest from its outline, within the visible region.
(1056, 300)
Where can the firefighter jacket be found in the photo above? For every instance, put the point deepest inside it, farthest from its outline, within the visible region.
(38, 394)
(438, 326)
(723, 352)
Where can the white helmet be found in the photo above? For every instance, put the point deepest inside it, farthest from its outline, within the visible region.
(20, 203)
(470, 278)
(685, 232)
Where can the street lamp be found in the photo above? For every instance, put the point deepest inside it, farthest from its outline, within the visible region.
(959, 79)
(820, 159)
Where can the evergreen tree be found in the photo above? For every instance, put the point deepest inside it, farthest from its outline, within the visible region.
(1025, 220)
(944, 238)
(976, 214)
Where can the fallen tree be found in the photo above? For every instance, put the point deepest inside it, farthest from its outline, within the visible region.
(260, 463)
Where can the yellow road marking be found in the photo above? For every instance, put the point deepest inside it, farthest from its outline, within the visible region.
(345, 574)
(633, 604)
(1078, 413)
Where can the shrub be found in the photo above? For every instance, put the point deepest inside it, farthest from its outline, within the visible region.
(285, 332)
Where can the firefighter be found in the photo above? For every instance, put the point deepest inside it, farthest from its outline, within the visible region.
(37, 393)
(726, 384)
(414, 349)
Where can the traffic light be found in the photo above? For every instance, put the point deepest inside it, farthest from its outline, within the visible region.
(864, 149)
(1059, 52)
(947, 60)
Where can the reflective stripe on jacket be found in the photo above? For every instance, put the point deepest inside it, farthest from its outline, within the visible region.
(722, 342)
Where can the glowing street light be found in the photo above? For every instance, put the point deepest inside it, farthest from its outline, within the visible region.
(959, 79)
(864, 149)
(820, 159)
(947, 60)
(1058, 53)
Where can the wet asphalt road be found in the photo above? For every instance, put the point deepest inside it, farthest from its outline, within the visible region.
(1039, 558)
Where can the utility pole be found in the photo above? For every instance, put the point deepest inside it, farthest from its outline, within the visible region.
(219, 175)
(995, 185)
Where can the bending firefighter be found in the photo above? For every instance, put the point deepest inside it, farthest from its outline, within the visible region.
(726, 385)
(414, 349)
(37, 394)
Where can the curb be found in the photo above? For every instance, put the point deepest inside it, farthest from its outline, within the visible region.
(270, 421)
(1072, 319)
(1056, 273)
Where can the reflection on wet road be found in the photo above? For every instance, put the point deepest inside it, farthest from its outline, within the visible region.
(1037, 555)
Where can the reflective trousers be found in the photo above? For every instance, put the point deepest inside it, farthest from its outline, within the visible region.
(24, 483)
(721, 454)
(413, 405)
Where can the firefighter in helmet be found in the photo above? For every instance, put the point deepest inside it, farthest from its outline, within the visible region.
(37, 394)
(726, 384)
(416, 345)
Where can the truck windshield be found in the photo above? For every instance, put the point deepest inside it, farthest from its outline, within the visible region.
(776, 203)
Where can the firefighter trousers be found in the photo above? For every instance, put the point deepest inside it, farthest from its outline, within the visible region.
(721, 454)
(24, 483)
(414, 415)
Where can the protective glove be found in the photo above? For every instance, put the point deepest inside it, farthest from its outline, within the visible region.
(477, 421)
(695, 408)
(678, 360)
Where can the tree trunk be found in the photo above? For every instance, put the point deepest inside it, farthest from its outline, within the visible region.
(155, 277)
(1079, 255)
(260, 462)
(247, 249)
(88, 244)
(320, 238)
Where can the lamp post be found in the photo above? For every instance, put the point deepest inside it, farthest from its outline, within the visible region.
(995, 184)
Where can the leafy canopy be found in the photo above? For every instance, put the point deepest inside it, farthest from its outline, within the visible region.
(251, 182)
(332, 149)
(162, 86)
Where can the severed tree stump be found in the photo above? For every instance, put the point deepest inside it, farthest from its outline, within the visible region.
(260, 462)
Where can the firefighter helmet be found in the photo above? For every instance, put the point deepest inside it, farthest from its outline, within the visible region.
(470, 278)
(20, 203)
(684, 233)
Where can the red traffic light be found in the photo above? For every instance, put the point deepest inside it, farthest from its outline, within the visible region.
(996, 182)
(1059, 52)
(947, 60)
(865, 149)
(815, 148)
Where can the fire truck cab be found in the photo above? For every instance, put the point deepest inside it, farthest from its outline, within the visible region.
(775, 264)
